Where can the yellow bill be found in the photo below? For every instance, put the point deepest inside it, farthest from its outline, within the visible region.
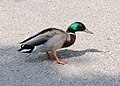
(87, 31)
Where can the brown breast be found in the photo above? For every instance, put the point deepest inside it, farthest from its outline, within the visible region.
(69, 43)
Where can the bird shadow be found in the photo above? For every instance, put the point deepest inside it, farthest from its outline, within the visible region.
(74, 53)
(62, 54)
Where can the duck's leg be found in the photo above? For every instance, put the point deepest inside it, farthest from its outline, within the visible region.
(50, 57)
(59, 61)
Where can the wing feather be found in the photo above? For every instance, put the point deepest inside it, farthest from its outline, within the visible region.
(42, 36)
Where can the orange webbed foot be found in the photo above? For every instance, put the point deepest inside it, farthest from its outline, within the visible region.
(60, 61)
(55, 57)
(63, 62)
(50, 57)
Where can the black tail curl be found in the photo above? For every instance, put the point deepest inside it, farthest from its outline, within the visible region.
(25, 47)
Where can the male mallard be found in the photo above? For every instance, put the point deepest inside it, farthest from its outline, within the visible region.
(52, 39)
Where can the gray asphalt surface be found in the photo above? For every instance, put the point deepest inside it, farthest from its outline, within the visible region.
(94, 60)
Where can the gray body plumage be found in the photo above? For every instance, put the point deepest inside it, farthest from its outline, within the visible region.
(49, 39)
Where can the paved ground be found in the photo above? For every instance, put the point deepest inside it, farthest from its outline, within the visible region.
(94, 60)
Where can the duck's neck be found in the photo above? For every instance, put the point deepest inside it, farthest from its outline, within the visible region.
(72, 40)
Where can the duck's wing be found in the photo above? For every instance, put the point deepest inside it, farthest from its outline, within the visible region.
(42, 36)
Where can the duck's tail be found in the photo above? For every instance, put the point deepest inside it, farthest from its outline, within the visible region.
(26, 48)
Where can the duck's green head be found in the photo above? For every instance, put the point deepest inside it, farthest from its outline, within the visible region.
(77, 26)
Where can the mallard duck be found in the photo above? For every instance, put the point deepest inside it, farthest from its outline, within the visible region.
(51, 39)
